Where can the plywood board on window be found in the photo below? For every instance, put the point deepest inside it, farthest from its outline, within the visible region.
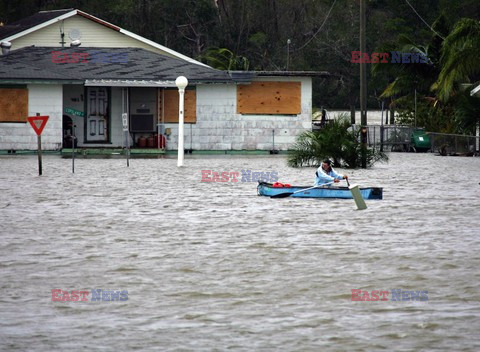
(270, 98)
(13, 105)
(170, 106)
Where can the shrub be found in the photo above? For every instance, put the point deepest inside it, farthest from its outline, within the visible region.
(335, 141)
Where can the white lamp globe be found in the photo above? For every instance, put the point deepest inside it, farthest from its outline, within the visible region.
(181, 82)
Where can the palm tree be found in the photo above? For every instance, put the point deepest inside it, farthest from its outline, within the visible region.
(336, 141)
(224, 59)
(460, 58)
(410, 79)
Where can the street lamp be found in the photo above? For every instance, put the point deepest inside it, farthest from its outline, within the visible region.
(288, 51)
(181, 82)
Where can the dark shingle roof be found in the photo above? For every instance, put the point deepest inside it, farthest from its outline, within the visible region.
(246, 76)
(102, 64)
(29, 22)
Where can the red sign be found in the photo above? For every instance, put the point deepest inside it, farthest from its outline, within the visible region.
(38, 123)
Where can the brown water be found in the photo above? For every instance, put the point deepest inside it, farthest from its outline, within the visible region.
(213, 266)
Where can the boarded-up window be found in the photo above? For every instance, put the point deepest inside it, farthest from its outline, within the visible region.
(269, 98)
(170, 106)
(13, 104)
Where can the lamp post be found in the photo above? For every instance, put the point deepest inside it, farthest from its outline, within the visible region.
(181, 82)
(288, 52)
(363, 84)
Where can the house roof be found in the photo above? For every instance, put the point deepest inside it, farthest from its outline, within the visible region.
(293, 73)
(102, 66)
(30, 22)
(247, 76)
(45, 18)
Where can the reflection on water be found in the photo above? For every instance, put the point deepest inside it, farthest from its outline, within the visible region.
(213, 266)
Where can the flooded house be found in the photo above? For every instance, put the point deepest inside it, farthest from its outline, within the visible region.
(86, 73)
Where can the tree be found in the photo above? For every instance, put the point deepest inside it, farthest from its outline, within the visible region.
(409, 86)
(224, 59)
(460, 58)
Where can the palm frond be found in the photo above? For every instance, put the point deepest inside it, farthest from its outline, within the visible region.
(459, 57)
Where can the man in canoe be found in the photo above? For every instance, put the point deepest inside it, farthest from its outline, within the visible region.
(326, 174)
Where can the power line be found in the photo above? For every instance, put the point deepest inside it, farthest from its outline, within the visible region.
(320, 28)
(433, 30)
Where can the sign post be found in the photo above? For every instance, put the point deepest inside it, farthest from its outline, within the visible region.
(38, 123)
(125, 129)
(73, 148)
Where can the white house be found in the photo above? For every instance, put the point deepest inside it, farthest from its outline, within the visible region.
(115, 71)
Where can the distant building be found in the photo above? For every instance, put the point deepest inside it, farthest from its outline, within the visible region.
(85, 72)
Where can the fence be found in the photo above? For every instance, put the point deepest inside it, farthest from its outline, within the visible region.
(453, 144)
(398, 139)
(388, 137)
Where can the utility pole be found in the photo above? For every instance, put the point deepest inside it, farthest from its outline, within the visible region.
(363, 82)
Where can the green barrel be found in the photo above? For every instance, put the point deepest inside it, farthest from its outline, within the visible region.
(420, 140)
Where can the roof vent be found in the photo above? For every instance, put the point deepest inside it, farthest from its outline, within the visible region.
(76, 43)
(5, 47)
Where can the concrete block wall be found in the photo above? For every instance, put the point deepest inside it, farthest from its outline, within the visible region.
(219, 127)
(46, 100)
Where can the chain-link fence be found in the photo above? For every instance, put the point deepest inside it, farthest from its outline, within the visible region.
(454, 144)
(389, 137)
(409, 139)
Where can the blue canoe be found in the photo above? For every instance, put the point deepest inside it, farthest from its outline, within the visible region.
(267, 189)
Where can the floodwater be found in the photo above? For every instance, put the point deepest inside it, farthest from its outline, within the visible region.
(214, 267)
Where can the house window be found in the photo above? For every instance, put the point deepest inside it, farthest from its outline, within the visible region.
(269, 98)
(170, 105)
(13, 104)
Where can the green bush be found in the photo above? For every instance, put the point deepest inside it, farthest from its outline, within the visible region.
(335, 141)
(433, 117)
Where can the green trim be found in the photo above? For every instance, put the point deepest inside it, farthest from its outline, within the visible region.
(27, 152)
(84, 151)
(111, 151)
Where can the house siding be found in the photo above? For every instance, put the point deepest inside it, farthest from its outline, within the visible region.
(43, 99)
(219, 127)
(92, 35)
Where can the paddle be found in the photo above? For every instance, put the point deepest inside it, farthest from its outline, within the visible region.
(288, 194)
(357, 196)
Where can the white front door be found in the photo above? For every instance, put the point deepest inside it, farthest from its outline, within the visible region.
(97, 117)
